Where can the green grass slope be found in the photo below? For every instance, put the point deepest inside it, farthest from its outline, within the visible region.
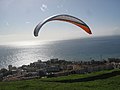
(103, 80)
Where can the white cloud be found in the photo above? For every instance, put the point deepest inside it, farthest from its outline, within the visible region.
(43, 7)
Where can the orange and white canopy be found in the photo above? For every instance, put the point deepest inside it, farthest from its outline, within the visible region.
(66, 18)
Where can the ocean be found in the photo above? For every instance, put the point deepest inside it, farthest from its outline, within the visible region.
(84, 49)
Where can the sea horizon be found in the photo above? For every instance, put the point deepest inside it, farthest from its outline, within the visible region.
(83, 49)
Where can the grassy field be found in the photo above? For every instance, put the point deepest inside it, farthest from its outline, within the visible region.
(103, 80)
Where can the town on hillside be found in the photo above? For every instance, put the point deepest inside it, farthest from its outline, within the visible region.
(55, 68)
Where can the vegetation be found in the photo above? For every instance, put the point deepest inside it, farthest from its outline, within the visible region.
(103, 80)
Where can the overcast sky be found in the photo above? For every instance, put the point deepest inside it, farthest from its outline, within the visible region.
(18, 19)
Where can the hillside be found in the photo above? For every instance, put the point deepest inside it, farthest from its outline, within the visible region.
(103, 80)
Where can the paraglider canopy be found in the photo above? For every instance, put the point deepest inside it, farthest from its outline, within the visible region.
(65, 18)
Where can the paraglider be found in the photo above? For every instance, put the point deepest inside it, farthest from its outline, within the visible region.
(65, 18)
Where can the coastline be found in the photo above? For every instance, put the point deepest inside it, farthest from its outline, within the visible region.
(56, 68)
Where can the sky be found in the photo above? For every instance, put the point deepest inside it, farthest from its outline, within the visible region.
(18, 19)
